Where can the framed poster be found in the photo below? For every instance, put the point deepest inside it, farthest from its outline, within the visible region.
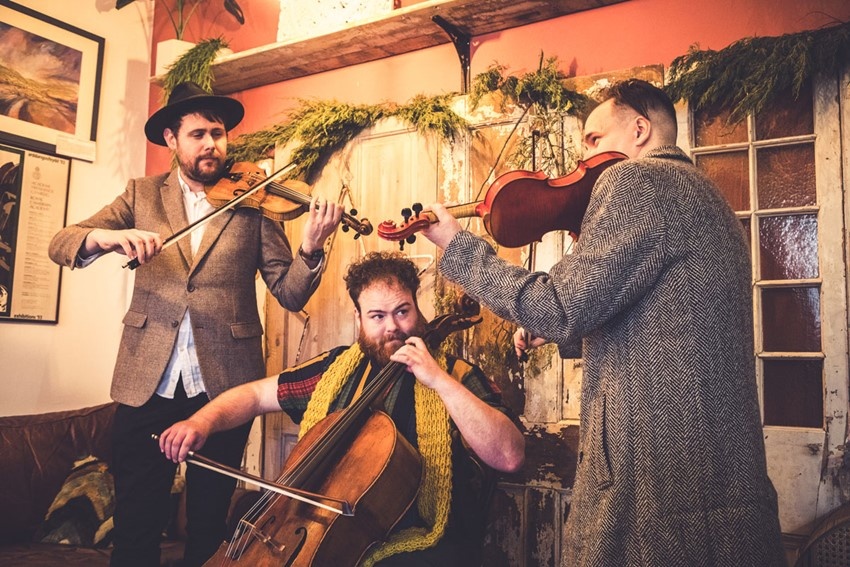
(33, 199)
(50, 75)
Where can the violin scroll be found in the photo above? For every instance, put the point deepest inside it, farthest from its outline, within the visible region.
(413, 222)
(466, 314)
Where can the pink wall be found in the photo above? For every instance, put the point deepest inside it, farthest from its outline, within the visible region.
(633, 33)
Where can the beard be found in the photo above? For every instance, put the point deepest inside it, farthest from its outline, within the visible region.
(379, 351)
(207, 176)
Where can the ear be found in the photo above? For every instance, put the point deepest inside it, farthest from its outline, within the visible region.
(170, 139)
(642, 130)
(357, 320)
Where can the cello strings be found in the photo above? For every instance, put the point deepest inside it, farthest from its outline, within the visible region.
(240, 542)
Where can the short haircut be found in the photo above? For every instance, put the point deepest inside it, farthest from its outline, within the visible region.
(207, 113)
(640, 96)
(389, 267)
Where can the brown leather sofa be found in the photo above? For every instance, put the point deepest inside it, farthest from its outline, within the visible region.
(36, 454)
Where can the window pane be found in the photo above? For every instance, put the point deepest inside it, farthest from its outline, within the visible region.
(786, 176)
(745, 223)
(791, 319)
(789, 247)
(787, 116)
(730, 171)
(793, 393)
(711, 128)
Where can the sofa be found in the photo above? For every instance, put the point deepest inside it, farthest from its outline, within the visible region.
(37, 455)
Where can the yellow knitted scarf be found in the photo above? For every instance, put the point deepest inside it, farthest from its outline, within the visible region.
(432, 429)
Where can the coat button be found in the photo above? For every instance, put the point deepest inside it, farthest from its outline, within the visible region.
(580, 456)
(191, 288)
(175, 323)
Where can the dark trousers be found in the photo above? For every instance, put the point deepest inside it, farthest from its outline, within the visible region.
(143, 479)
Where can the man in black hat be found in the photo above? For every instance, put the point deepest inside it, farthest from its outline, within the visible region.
(193, 329)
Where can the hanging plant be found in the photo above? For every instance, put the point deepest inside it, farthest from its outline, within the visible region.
(320, 128)
(542, 95)
(195, 65)
(747, 75)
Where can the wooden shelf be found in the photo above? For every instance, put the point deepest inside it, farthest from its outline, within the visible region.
(401, 31)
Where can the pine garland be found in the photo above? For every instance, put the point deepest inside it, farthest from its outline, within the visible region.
(748, 74)
(543, 88)
(546, 100)
(320, 128)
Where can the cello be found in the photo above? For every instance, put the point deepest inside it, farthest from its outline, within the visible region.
(354, 457)
(519, 206)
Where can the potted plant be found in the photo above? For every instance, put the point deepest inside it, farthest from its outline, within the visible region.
(179, 13)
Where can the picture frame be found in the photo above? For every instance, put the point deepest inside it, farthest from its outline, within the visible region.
(33, 204)
(50, 81)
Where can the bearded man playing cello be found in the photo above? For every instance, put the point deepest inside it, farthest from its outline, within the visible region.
(465, 406)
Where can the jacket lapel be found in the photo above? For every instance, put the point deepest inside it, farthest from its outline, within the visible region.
(211, 233)
(175, 212)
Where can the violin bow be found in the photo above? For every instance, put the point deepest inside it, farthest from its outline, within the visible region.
(188, 229)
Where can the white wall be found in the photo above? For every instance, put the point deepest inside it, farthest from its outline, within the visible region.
(49, 367)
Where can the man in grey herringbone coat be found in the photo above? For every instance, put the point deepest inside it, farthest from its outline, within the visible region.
(658, 294)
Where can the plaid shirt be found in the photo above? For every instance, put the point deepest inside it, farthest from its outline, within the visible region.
(296, 385)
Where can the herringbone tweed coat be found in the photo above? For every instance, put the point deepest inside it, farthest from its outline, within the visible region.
(216, 286)
(672, 465)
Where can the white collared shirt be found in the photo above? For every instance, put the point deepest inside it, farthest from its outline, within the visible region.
(184, 357)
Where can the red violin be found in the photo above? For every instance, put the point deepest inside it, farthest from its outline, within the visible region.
(520, 206)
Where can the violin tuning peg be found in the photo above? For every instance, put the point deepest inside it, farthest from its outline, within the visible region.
(417, 208)
(345, 228)
(401, 245)
(356, 236)
(406, 213)
(353, 212)
(411, 239)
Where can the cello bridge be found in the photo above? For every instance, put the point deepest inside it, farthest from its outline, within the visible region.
(265, 539)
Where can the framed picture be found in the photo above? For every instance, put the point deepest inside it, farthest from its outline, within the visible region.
(33, 200)
(50, 76)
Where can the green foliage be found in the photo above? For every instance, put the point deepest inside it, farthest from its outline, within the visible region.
(434, 115)
(323, 127)
(320, 128)
(543, 96)
(543, 88)
(748, 74)
(195, 65)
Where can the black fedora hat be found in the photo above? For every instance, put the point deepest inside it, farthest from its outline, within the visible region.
(189, 97)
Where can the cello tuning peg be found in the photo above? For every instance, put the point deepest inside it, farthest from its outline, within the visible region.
(406, 213)
(417, 208)
(410, 239)
(401, 245)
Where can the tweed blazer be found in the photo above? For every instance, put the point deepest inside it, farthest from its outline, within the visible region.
(672, 468)
(216, 286)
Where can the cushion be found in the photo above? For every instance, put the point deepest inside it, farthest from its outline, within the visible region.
(81, 514)
(36, 453)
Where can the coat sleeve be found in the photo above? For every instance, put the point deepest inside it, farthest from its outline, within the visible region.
(617, 258)
(118, 215)
(287, 276)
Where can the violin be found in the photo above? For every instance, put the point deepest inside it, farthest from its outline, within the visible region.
(245, 184)
(354, 458)
(278, 201)
(520, 206)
